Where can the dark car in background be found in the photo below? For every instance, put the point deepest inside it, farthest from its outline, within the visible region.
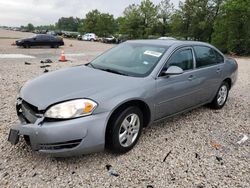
(110, 39)
(41, 40)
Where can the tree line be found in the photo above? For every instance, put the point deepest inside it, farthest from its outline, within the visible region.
(224, 23)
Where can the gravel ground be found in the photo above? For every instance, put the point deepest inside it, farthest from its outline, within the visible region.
(197, 149)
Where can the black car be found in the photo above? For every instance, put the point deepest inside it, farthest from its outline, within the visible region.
(41, 40)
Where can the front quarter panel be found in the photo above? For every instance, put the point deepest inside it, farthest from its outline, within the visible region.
(110, 100)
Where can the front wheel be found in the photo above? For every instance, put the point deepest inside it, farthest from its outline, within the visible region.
(221, 97)
(125, 130)
(26, 45)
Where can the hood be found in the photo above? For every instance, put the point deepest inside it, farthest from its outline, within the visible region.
(71, 83)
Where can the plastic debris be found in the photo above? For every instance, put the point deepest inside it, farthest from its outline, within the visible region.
(215, 145)
(167, 156)
(46, 70)
(46, 61)
(27, 63)
(44, 66)
(111, 172)
(244, 139)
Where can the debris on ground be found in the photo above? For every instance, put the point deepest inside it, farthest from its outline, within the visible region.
(244, 139)
(150, 186)
(44, 66)
(111, 172)
(220, 160)
(197, 156)
(167, 156)
(46, 61)
(46, 70)
(27, 63)
(215, 145)
(71, 45)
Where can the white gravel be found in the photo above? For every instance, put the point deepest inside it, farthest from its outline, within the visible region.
(189, 140)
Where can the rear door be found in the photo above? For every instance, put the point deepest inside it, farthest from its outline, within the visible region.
(177, 92)
(208, 70)
(39, 40)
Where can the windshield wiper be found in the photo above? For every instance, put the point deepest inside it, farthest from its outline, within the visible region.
(114, 71)
(91, 65)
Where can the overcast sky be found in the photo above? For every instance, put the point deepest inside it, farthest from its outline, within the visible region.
(40, 12)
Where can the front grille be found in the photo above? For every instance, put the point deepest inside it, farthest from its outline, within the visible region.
(60, 145)
(27, 112)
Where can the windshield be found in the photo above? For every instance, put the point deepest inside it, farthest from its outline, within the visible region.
(132, 59)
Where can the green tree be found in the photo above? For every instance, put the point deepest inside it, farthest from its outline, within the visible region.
(232, 28)
(30, 27)
(165, 9)
(149, 12)
(106, 24)
(140, 21)
(68, 24)
(132, 22)
(195, 19)
(91, 21)
(102, 24)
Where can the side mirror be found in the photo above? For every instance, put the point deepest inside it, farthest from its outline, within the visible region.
(173, 70)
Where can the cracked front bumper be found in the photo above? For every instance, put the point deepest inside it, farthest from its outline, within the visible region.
(66, 138)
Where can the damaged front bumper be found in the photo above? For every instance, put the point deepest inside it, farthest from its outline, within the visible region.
(62, 138)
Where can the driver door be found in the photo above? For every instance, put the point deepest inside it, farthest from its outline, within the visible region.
(175, 93)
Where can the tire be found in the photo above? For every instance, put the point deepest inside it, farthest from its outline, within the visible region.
(54, 46)
(122, 136)
(221, 96)
(26, 45)
(92, 40)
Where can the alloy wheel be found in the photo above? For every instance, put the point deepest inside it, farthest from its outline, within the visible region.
(129, 130)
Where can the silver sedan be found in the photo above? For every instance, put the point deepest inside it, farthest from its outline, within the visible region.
(107, 102)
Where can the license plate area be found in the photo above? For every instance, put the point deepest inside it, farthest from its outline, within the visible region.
(13, 136)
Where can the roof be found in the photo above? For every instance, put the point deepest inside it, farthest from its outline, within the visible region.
(168, 42)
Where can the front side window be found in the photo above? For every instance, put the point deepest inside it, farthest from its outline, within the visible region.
(205, 56)
(182, 59)
(132, 59)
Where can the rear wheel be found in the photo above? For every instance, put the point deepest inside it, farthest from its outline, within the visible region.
(221, 97)
(125, 130)
(26, 45)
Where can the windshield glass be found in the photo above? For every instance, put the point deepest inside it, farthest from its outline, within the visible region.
(132, 59)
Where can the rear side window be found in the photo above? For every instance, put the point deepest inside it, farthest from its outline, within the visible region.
(205, 56)
(182, 59)
(219, 57)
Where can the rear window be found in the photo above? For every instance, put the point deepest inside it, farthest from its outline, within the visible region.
(206, 56)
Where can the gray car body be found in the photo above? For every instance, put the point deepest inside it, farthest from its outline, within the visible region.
(164, 96)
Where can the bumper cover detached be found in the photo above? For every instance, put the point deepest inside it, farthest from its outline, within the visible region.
(63, 138)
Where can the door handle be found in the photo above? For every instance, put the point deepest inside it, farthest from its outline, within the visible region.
(191, 77)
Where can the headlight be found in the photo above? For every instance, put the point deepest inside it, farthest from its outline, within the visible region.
(71, 109)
